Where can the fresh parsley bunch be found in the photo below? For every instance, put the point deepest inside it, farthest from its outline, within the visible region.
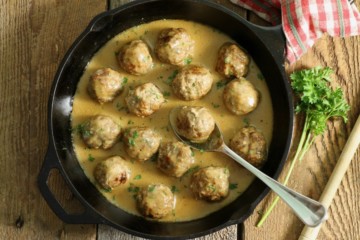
(319, 102)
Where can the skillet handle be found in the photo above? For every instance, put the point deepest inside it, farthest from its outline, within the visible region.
(50, 162)
(274, 38)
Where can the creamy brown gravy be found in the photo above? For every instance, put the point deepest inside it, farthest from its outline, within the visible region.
(208, 41)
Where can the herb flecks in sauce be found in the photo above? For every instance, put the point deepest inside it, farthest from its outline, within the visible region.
(91, 158)
(172, 76)
(174, 189)
(222, 83)
(162, 75)
(187, 60)
(137, 177)
(233, 186)
(133, 137)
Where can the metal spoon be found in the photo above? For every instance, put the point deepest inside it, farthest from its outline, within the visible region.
(310, 212)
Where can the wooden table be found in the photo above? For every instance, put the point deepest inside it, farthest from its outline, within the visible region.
(34, 35)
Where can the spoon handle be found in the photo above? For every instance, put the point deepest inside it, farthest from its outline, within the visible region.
(310, 212)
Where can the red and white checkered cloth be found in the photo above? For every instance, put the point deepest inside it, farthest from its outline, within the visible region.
(304, 21)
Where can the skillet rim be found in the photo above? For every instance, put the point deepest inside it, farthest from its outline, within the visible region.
(93, 27)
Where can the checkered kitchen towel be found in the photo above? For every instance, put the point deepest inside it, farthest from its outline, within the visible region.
(304, 21)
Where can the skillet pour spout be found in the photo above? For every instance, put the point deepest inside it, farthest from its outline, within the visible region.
(265, 45)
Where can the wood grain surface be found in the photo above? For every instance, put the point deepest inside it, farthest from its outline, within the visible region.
(34, 36)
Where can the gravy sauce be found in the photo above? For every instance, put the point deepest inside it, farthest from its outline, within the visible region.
(207, 43)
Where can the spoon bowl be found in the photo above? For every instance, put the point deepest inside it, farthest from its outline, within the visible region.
(309, 211)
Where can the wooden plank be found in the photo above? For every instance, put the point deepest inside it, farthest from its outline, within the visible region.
(34, 37)
(114, 4)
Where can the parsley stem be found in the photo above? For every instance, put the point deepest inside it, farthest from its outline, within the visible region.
(305, 136)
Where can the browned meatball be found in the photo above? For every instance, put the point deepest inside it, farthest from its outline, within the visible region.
(112, 172)
(250, 144)
(155, 201)
(210, 183)
(195, 123)
(141, 142)
(175, 158)
(174, 46)
(240, 96)
(144, 100)
(232, 61)
(105, 84)
(100, 132)
(192, 82)
(134, 57)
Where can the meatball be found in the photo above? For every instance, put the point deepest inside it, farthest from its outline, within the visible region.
(175, 158)
(155, 201)
(195, 123)
(240, 96)
(250, 144)
(105, 84)
(174, 46)
(232, 61)
(134, 57)
(112, 172)
(100, 132)
(141, 142)
(192, 82)
(210, 183)
(144, 100)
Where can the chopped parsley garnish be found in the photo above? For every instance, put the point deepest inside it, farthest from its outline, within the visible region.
(246, 121)
(215, 105)
(137, 177)
(106, 190)
(125, 80)
(174, 189)
(82, 129)
(133, 137)
(151, 188)
(91, 158)
(233, 186)
(187, 61)
(119, 107)
(211, 187)
(133, 189)
(166, 94)
(221, 83)
(172, 76)
(192, 170)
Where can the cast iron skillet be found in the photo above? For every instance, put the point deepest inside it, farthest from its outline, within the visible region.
(265, 45)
